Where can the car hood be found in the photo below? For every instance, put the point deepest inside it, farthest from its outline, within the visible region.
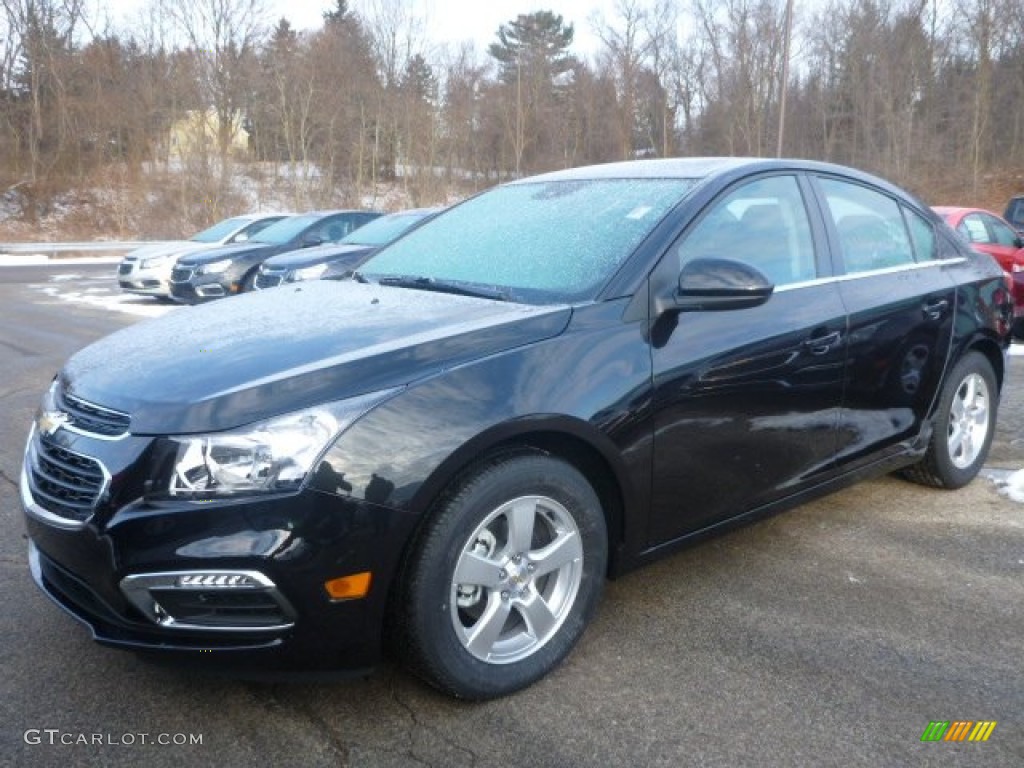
(159, 249)
(237, 250)
(309, 257)
(232, 362)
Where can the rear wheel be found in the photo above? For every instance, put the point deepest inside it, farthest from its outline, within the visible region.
(505, 578)
(964, 426)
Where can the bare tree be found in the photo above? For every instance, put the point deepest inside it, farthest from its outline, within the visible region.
(223, 36)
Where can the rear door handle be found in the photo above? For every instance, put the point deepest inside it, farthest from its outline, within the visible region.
(819, 345)
(935, 308)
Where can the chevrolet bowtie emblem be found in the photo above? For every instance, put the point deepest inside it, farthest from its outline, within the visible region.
(50, 421)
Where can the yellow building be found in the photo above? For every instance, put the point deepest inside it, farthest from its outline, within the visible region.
(197, 133)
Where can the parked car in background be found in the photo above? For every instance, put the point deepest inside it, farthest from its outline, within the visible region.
(553, 382)
(987, 233)
(339, 258)
(232, 269)
(147, 270)
(1014, 213)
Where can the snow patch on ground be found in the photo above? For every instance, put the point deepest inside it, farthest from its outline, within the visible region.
(1009, 482)
(42, 260)
(132, 305)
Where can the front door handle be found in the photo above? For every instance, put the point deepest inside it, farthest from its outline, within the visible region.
(819, 345)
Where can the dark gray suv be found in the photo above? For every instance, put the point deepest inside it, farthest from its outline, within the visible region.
(1014, 213)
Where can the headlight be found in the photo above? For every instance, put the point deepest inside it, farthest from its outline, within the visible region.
(214, 267)
(267, 457)
(308, 273)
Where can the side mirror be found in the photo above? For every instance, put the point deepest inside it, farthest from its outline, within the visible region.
(310, 240)
(241, 237)
(719, 284)
(1018, 242)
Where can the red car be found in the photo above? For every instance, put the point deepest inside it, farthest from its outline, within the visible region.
(988, 233)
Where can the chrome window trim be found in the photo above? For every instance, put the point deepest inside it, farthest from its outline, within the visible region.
(871, 273)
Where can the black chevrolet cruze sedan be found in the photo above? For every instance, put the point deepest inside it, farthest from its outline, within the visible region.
(549, 384)
(231, 269)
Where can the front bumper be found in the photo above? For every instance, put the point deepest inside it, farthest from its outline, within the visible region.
(120, 572)
(154, 281)
(194, 288)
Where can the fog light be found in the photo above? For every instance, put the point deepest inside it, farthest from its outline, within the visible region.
(228, 580)
(349, 587)
(214, 600)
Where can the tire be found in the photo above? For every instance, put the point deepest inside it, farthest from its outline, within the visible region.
(965, 423)
(526, 535)
(249, 281)
(1018, 329)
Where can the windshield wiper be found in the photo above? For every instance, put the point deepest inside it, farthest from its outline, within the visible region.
(445, 286)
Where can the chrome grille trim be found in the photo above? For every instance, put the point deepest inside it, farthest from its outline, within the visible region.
(181, 274)
(91, 419)
(48, 471)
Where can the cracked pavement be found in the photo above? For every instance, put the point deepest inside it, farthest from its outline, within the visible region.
(829, 635)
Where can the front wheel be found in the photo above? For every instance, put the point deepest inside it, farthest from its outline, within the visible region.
(965, 424)
(505, 578)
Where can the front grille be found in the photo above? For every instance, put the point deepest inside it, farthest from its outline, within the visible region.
(268, 279)
(181, 274)
(64, 483)
(125, 268)
(93, 419)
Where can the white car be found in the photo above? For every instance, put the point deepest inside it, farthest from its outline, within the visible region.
(147, 270)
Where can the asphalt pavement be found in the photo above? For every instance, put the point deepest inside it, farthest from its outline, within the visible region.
(830, 635)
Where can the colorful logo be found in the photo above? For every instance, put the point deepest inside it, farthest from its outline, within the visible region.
(958, 730)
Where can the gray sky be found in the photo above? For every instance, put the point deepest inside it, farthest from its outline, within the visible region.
(448, 21)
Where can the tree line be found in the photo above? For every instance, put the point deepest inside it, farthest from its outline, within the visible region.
(925, 92)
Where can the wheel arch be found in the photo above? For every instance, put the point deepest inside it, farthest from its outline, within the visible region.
(991, 350)
(575, 442)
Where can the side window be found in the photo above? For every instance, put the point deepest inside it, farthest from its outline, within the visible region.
(763, 223)
(923, 236)
(870, 228)
(252, 229)
(974, 230)
(1001, 233)
(335, 230)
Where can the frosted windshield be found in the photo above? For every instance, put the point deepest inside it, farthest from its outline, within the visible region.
(542, 241)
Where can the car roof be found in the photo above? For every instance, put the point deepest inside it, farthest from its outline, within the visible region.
(259, 216)
(705, 168)
(962, 210)
(334, 212)
(674, 167)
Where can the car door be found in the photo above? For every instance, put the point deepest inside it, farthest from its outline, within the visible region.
(746, 402)
(901, 303)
